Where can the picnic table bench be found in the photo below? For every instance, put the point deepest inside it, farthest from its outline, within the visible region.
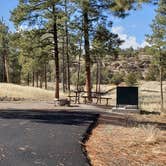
(100, 98)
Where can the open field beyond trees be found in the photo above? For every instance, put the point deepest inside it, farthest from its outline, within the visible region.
(149, 93)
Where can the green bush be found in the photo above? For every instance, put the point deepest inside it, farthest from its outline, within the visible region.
(106, 75)
(81, 80)
(131, 79)
(152, 73)
(117, 78)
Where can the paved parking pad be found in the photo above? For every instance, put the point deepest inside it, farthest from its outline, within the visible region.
(43, 138)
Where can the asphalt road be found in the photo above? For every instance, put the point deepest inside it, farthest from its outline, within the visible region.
(38, 138)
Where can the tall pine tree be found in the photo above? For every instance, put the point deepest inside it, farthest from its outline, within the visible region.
(4, 50)
(41, 14)
(158, 42)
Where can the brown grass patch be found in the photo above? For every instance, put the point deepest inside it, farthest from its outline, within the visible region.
(12, 90)
(114, 145)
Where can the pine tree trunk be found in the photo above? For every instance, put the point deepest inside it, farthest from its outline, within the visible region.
(79, 63)
(67, 50)
(41, 81)
(97, 76)
(6, 68)
(33, 78)
(56, 56)
(37, 79)
(28, 78)
(161, 89)
(87, 50)
(4, 72)
(63, 66)
(161, 83)
(45, 75)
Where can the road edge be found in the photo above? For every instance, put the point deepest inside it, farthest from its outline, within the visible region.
(87, 135)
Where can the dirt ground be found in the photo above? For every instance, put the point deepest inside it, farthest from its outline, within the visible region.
(128, 140)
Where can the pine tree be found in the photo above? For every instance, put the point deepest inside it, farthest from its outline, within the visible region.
(4, 50)
(104, 43)
(158, 42)
(43, 14)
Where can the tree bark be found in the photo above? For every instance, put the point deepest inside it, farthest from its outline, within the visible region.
(79, 58)
(37, 79)
(33, 78)
(161, 89)
(41, 81)
(56, 54)
(161, 82)
(6, 67)
(28, 79)
(45, 75)
(97, 75)
(67, 49)
(63, 66)
(87, 49)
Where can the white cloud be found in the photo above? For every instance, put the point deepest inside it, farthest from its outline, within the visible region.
(25, 27)
(130, 41)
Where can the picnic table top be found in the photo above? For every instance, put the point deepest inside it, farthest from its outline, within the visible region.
(92, 92)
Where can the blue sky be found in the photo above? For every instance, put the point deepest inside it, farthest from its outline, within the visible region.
(132, 29)
(5, 7)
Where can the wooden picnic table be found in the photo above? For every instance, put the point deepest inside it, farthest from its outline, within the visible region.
(76, 96)
(98, 99)
(99, 96)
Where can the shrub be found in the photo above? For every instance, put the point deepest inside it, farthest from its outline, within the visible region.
(81, 80)
(152, 73)
(131, 79)
(117, 78)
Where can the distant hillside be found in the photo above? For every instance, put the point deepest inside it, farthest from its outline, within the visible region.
(132, 64)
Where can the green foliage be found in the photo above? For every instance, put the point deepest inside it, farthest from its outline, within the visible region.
(117, 78)
(152, 73)
(129, 52)
(158, 37)
(131, 79)
(35, 46)
(81, 80)
(106, 75)
(4, 50)
(105, 42)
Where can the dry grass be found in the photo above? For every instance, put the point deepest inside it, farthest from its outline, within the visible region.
(151, 132)
(118, 142)
(149, 93)
(12, 90)
(112, 145)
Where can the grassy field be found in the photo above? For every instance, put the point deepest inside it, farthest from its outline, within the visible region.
(17, 91)
(149, 93)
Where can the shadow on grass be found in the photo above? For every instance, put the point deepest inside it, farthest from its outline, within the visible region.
(127, 120)
(58, 117)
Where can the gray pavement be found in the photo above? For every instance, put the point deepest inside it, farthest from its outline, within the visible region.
(43, 138)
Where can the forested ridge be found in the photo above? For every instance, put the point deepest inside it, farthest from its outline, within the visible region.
(70, 42)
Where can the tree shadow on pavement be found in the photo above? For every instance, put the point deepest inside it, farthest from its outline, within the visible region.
(58, 117)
